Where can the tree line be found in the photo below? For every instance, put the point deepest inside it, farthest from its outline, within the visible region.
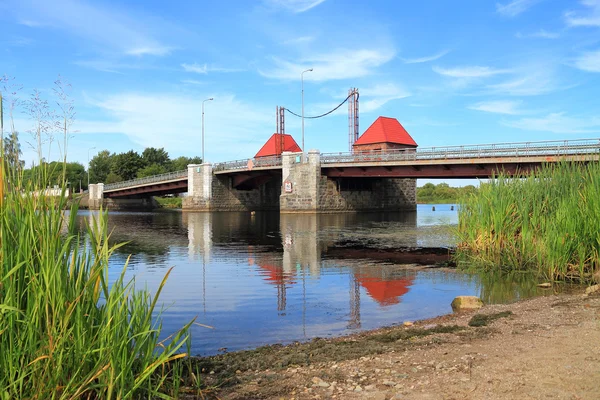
(442, 193)
(107, 167)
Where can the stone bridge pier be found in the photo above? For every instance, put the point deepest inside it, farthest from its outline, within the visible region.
(208, 191)
(306, 188)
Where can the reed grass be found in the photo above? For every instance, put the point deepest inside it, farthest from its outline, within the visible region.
(66, 332)
(547, 223)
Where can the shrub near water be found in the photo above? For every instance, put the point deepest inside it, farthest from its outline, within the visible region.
(547, 223)
(64, 331)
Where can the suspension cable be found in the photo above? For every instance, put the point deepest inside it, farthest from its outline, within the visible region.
(327, 113)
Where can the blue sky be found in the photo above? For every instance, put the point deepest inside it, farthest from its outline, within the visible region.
(452, 73)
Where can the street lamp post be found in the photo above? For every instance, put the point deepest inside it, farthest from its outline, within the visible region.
(203, 101)
(302, 80)
(88, 174)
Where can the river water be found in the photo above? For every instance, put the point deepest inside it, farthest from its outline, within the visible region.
(269, 278)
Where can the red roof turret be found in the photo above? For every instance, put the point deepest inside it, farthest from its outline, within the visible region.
(386, 130)
(273, 146)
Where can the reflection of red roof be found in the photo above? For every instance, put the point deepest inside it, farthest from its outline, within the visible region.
(386, 130)
(385, 292)
(273, 146)
(275, 275)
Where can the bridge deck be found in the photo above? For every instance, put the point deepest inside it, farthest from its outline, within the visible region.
(451, 161)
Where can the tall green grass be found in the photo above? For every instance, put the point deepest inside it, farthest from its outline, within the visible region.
(547, 223)
(65, 331)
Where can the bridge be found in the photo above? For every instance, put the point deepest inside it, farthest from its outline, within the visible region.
(374, 180)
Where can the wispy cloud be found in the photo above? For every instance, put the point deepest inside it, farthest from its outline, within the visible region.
(589, 18)
(19, 41)
(113, 28)
(30, 23)
(509, 107)
(340, 64)
(589, 61)
(557, 123)
(515, 7)
(296, 6)
(112, 65)
(149, 50)
(142, 117)
(426, 58)
(530, 81)
(205, 68)
(192, 82)
(376, 96)
(299, 40)
(540, 34)
(469, 71)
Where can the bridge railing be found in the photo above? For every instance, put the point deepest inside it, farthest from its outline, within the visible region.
(244, 164)
(150, 179)
(524, 149)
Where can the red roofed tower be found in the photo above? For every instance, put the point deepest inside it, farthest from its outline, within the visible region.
(273, 146)
(384, 134)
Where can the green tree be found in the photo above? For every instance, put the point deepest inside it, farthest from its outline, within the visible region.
(126, 165)
(12, 152)
(151, 155)
(150, 170)
(113, 178)
(181, 163)
(100, 167)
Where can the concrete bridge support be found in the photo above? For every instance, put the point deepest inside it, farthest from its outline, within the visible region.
(200, 179)
(96, 200)
(95, 196)
(211, 192)
(306, 189)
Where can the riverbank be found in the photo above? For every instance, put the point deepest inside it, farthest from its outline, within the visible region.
(547, 346)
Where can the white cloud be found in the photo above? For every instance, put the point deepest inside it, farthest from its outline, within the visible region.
(532, 80)
(299, 40)
(515, 7)
(499, 107)
(591, 18)
(296, 6)
(205, 68)
(340, 64)
(111, 66)
(589, 61)
(541, 34)
(150, 50)
(426, 59)
(173, 121)
(557, 123)
(378, 95)
(192, 82)
(469, 71)
(112, 28)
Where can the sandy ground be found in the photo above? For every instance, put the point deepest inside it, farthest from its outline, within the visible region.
(548, 348)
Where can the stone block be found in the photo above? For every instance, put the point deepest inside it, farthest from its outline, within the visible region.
(462, 303)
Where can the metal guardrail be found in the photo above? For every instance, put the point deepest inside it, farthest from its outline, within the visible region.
(259, 162)
(150, 179)
(524, 149)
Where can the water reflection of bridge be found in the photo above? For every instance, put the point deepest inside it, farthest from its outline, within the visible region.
(297, 249)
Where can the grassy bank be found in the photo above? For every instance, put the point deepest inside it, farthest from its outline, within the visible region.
(65, 332)
(547, 223)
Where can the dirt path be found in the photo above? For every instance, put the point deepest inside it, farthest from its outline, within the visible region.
(546, 348)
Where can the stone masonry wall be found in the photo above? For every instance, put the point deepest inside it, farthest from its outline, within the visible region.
(386, 194)
(312, 192)
(227, 198)
(303, 179)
